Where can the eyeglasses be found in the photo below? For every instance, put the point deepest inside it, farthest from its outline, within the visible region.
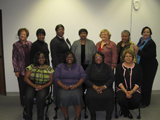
(98, 57)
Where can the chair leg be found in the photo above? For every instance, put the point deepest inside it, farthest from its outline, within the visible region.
(85, 115)
(56, 109)
(139, 114)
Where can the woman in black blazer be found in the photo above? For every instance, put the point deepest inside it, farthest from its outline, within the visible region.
(146, 57)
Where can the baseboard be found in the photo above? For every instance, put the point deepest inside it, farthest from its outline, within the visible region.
(17, 93)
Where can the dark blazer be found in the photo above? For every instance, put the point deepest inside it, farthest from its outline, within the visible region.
(39, 46)
(18, 56)
(148, 55)
(58, 47)
(137, 76)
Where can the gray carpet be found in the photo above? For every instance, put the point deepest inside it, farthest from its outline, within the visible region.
(10, 109)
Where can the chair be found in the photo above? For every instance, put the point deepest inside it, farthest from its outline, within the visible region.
(49, 101)
(85, 114)
(120, 112)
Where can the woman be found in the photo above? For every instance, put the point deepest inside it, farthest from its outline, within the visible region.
(21, 59)
(108, 48)
(99, 96)
(124, 45)
(69, 76)
(40, 45)
(58, 46)
(128, 82)
(39, 76)
(146, 57)
(83, 49)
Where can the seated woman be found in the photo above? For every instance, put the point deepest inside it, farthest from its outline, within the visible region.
(69, 76)
(128, 81)
(100, 95)
(39, 76)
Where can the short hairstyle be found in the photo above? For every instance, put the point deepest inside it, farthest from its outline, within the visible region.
(83, 30)
(146, 28)
(100, 53)
(36, 57)
(40, 31)
(23, 29)
(130, 52)
(66, 54)
(126, 31)
(58, 26)
(105, 30)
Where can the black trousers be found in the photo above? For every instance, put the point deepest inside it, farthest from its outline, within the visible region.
(40, 96)
(22, 85)
(128, 103)
(148, 78)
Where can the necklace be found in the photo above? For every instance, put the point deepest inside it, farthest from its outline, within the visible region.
(100, 68)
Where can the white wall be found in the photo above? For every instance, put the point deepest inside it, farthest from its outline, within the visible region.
(94, 15)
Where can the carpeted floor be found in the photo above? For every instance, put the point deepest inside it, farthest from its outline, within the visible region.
(10, 109)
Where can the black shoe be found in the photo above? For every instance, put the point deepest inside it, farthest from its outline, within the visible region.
(129, 115)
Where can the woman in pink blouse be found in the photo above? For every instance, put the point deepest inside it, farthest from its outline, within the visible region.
(108, 48)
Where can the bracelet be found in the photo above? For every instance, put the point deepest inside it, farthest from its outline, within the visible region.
(133, 90)
(105, 86)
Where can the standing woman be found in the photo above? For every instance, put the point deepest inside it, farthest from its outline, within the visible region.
(59, 45)
(21, 59)
(83, 49)
(40, 45)
(108, 48)
(125, 45)
(146, 57)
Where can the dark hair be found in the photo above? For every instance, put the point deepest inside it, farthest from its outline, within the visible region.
(83, 30)
(59, 25)
(23, 29)
(100, 53)
(40, 31)
(36, 57)
(146, 28)
(66, 54)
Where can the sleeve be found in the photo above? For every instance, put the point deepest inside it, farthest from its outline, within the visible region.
(117, 76)
(33, 52)
(82, 73)
(73, 48)
(50, 70)
(15, 58)
(87, 81)
(140, 76)
(114, 55)
(111, 77)
(29, 68)
(150, 51)
(57, 73)
(54, 51)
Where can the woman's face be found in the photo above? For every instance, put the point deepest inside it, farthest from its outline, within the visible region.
(83, 35)
(128, 58)
(60, 31)
(98, 58)
(125, 37)
(41, 37)
(146, 33)
(104, 36)
(69, 59)
(41, 59)
(23, 36)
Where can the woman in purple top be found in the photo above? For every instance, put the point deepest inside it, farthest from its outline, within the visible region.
(69, 76)
(21, 58)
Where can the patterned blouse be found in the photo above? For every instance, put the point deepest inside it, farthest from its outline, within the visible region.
(40, 76)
